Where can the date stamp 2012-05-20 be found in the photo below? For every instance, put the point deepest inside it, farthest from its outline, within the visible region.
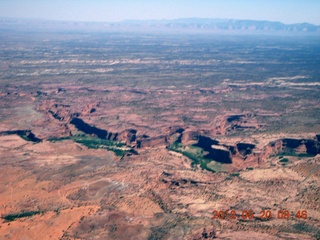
(262, 215)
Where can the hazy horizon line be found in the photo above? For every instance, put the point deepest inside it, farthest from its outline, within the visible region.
(153, 20)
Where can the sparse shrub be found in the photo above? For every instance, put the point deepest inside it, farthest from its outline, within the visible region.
(284, 160)
(234, 174)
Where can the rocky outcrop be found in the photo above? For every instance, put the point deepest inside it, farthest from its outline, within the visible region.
(127, 136)
(248, 153)
(228, 124)
(176, 180)
(245, 148)
(62, 112)
(173, 133)
(224, 153)
(189, 135)
(172, 130)
(291, 146)
(152, 142)
(57, 111)
(90, 108)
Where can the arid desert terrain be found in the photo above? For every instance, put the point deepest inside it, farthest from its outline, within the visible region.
(107, 135)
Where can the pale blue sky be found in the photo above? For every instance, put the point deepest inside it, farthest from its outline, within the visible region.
(286, 11)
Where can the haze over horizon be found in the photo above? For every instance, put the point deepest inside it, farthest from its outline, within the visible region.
(288, 12)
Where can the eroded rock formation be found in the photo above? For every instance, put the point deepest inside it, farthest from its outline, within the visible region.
(152, 142)
(127, 136)
(225, 125)
(241, 152)
(189, 135)
(291, 146)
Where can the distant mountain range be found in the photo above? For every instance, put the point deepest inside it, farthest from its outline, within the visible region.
(219, 25)
(177, 25)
